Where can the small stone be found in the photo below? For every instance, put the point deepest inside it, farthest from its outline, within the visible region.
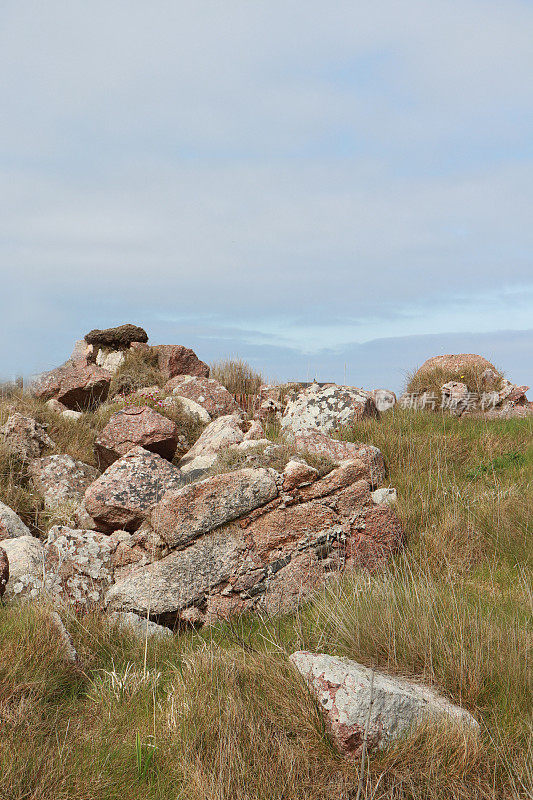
(136, 426)
(25, 437)
(11, 525)
(385, 495)
(139, 626)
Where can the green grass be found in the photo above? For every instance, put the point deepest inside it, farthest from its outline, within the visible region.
(219, 713)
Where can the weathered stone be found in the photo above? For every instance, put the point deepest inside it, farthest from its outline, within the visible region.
(139, 626)
(193, 510)
(384, 495)
(326, 408)
(110, 360)
(384, 399)
(298, 473)
(353, 697)
(123, 494)
(76, 384)
(60, 479)
(255, 432)
(117, 338)
(25, 437)
(181, 579)
(219, 434)
(136, 549)
(11, 525)
(174, 359)
(316, 443)
(456, 364)
(78, 567)
(4, 571)
(191, 408)
(26, 566)
(455, 396)
(207, 392)
(136, 426)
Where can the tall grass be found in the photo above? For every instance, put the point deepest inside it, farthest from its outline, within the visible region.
(237, 376)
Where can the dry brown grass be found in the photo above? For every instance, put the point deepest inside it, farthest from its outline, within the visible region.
(237, 376)
(431, 381)
(139, 369)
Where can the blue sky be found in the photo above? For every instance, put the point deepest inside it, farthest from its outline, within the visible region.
(327, 189)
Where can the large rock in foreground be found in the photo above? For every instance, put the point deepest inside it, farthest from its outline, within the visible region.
(207, 392)
(25, 437)
(187, 513)
(136, 426)
(61, 479)
(346, 691)
(124, 493)
(11, 525)
(174, 359)
(326, 408)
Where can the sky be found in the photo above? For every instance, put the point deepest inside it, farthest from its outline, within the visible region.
(335, 190)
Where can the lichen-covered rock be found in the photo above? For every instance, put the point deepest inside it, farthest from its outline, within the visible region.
(121, 497)
(117, 338)
(199, 508)
(350, 694)
(326, 408)
(318, 444)
(77, 565)
(181, 579)
(110, 360)
(298, 473)
(25, 437)
(455, 396)
(78, 385)
(221, 433)
(384, 399)
(189, 407)
(61, 479)
(4, 571)
(174, 359)
(137, 549)
(26, 567)
(11, 525)
(136, 426)
(207, 392)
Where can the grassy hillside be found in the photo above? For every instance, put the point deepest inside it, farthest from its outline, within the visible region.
(220, 714)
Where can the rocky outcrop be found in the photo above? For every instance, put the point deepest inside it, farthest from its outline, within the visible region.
(136, 426)
(61, 479)
(354, 698)
(25, 437)
(207, 392)
(25, 556)
(77, 384)
(4, 571)
(257, 539)
(122, 495)
(119, 338)
(326, 408)
(174, 359)
(187, 513)
(457, 363)
(11, 525)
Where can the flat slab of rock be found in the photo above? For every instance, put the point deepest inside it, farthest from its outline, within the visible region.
(25, 437)
(326, 408)
(117, 338)
(346, 691)
(174, 359)
(78, 385)
(11, 525)
(123, 494)
(181, 579)
(136, 426)
(207, 392)
(61, 479)
(189, 512)
(26, 567)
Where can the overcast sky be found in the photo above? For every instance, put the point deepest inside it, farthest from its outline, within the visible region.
(329, 189)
